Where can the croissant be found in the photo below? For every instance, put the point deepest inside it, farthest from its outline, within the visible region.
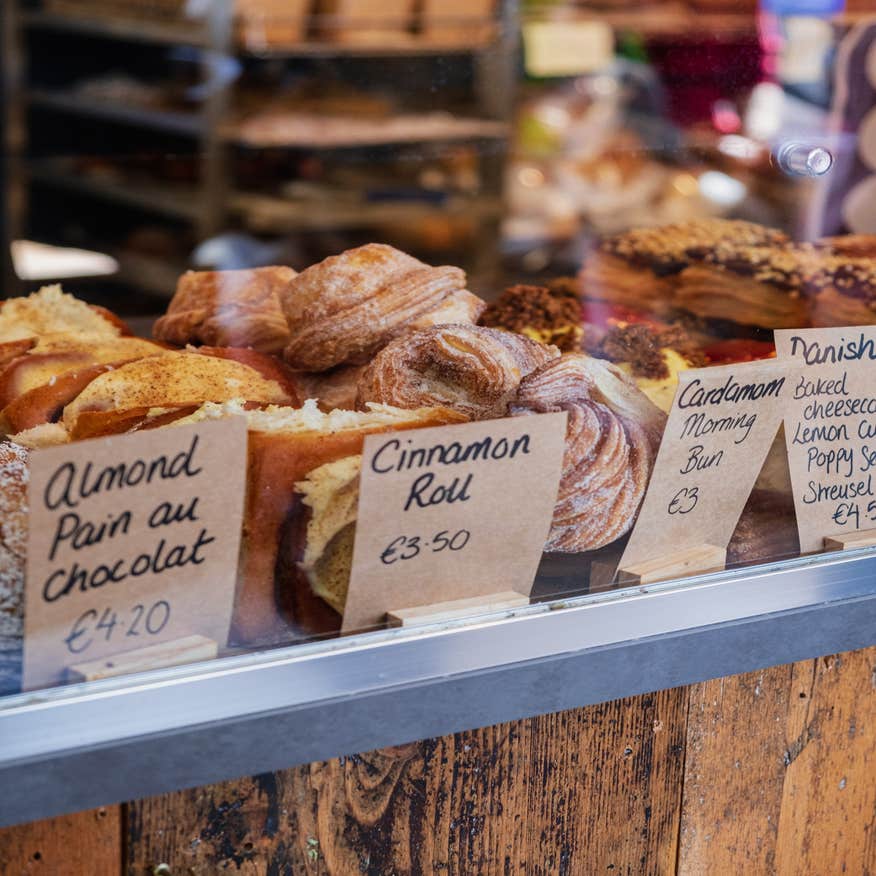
(612, 436)
(471, 369)
(344, 309)
(228, 309)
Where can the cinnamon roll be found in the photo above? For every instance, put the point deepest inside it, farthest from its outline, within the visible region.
(640, 268)
(612, 436)
(344, 309)
(467, 368)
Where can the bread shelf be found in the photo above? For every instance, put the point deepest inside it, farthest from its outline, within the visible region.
(176, 202)
(269, 214)
(188, 124)
(176, 33)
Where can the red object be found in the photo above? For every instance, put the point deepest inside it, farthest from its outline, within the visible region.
(739, 350)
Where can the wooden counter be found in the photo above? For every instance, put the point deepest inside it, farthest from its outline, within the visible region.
(769, 772)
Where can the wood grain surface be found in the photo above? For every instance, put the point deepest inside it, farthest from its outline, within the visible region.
(772, 772)
(597, 787)
(781, 771)
(70, 845)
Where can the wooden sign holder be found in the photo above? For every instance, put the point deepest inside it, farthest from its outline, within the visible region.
(696, 560)
(455, 609)
(189, 649)
(861, 538)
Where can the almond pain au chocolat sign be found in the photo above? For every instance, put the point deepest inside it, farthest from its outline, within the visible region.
(133, 542)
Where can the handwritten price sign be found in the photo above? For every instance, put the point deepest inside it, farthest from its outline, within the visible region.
(722, 423)
(133, 542)
(831, 430)
(452, 512)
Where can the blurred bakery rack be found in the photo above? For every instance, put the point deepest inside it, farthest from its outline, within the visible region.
(214, 130)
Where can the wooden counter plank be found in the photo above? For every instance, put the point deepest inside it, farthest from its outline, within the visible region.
(828, 817)
(606, 791)
(88, 842)
(517, 798)
(779, 770)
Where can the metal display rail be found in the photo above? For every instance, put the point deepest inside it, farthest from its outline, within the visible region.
(85, 745)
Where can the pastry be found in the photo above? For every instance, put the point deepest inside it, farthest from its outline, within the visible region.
(51, 355)
(471, 369)
(52, 310)
(751, 285)
(841, 289)
(549, 315)
(766, 531)
(652, 356)
(284, 445)
(332, 389)
(169, 381)
(640, 268)
(612, 437)
(346, 308)
(228, 309)
(13, 538)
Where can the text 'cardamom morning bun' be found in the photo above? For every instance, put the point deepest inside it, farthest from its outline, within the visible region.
(468, 368)
(344, 309)
(228, 309)
(612, 436)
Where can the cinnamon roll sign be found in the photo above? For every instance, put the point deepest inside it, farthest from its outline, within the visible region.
(720, 429)
(453, 512)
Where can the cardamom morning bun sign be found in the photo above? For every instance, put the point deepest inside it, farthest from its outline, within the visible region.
(720, 428)
(830, 430)
(452, 512)
(133, 541)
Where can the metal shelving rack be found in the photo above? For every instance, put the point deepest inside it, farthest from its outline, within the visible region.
(215, 202)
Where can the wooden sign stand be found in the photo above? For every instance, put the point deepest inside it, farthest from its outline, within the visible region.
(860, 539)
(189, 649)
(696, 560)
(455, 609)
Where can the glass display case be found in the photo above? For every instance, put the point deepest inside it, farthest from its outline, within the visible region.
(416, 367)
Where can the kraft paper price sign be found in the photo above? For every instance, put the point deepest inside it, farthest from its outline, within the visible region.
(720, 428)
(830, 430)
(133, 541)
(452, 512)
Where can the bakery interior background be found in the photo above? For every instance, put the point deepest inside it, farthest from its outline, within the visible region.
(504, 139)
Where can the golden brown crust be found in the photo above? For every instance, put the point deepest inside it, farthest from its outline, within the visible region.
(610, 278)
(228, 309)
(344, 309)
(612, 436)
(713, 292)
(173, 380)
(467, 368)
